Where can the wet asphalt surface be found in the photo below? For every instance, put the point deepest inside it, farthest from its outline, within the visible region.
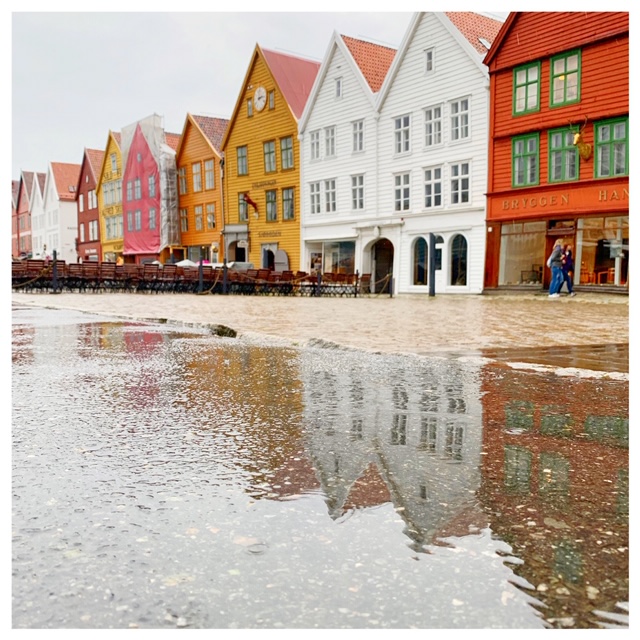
(163, 477)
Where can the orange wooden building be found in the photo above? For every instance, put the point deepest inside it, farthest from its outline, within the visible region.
(200, 201)
(559, 148)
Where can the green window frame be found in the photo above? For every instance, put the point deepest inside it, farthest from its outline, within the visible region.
(272, 210)
(526, 89)
(612, 148)
(564, 165)
(269, 156)
(525, 160)
(565, 70)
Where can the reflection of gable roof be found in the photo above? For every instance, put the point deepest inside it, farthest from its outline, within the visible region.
(474, 26)
(65, 176)
(213, 129)
(373, 60)
(294, 76)
(369, 490)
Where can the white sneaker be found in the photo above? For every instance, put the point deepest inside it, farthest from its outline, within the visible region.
(572, 294)
(554, 295)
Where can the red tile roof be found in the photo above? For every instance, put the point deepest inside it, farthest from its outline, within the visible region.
(117, 137)
(42, 180)
(295, 77)
(373, 60)
(27, 177)
(172, 139)
(213, 129)
(15, 187)
(473, 26)
(66, 177)
(95, 158)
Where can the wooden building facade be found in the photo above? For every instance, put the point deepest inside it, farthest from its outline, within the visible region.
(88, 242)
(559, 148)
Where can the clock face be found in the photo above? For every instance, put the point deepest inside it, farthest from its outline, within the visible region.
(260, 98)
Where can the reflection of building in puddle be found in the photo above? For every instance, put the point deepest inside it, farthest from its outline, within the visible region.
(384, 430)
(556, 479)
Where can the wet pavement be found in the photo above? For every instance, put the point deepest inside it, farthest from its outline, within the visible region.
(163, 477)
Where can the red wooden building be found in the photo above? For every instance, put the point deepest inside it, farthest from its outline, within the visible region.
(559, 148)
(88, 241)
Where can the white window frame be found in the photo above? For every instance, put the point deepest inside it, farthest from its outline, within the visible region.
(433, 126)
(402, 134)
(314, 144)
(338, 88)
(330, 142)
(314, 197)
(357, 192)
(286, 152)
(430, 61)
(460, 119)
(456, 179)
(358, 136)
(433, 187)
(209, 174)
(402, 191)
(330, 195)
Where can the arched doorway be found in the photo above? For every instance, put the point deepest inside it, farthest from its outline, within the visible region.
(382, 256)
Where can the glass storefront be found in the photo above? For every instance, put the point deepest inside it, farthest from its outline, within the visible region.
(522, 256)
(332, 257)
(601, 249)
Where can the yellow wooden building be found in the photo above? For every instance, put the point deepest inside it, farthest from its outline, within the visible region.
(262, 162)
(109, 192)
(198, 159)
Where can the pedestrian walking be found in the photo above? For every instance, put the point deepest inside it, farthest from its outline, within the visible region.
(567, 269)
(554, 262)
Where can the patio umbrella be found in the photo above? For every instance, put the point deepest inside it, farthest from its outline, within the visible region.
(186, 263)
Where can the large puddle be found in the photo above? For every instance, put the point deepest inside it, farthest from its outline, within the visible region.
(166, 479)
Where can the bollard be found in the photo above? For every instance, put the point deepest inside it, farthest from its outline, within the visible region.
(54, 273)
(224, 277)
(355, 292)
(432, 265)
(390, 286)
(200, 283)
(318, 283)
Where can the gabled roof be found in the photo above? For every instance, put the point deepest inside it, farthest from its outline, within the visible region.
(466, 28)
(373, 60)
(213, 129)
(65, 176)
(95, 158)
(172, 139)
(27, 178)
(117, 137)
(15, 188)
(42, 180)
(474, 26)
(294, 77)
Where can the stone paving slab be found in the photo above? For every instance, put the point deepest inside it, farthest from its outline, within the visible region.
(444, 324)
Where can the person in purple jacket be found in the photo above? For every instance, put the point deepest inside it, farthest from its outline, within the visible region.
(567, 269)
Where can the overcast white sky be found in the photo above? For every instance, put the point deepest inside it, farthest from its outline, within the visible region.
(77, 74)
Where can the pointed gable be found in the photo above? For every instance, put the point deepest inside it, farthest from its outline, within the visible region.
(294, 77)
(27, 178)
(15, 188)
(95, 158)
(42, 180)
(372, 59)
(474, 26)
(213, 129)
(65, 176)
(117, 137)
